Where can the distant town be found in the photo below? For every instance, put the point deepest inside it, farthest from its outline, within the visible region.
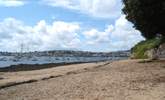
(68, 53)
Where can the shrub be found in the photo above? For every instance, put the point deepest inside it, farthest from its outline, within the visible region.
(140, 49)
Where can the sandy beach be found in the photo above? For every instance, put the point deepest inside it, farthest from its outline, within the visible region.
(118, 80)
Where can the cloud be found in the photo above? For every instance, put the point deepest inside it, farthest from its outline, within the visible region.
(42, 36)
(94, 36)
(124, 34)
(67, 35)
(96, 8)
(12, 3)
(120, 36)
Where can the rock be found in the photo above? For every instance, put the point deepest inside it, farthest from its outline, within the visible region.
(156, 53)
(132, 56)
(161, 51)
(152, 54)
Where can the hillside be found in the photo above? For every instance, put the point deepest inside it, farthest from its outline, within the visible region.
(149, 49)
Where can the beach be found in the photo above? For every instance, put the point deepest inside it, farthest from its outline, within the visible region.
(117, 80)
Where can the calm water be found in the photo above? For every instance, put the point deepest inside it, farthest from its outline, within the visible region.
(6, 61)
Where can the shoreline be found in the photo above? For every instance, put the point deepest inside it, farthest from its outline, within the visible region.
(9, 79)
(30, 67)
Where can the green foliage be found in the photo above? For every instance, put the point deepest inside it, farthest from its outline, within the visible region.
(147, 16)
(140, 49)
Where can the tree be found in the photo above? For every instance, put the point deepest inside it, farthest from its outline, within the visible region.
(148, 16)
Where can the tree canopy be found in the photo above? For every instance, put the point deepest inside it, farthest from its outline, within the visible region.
(148, 16)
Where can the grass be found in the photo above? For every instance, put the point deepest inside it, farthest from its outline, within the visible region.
(140, 49)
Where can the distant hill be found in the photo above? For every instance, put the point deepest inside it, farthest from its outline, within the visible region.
(68, 53)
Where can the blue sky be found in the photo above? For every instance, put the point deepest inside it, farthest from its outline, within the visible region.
(90, 25)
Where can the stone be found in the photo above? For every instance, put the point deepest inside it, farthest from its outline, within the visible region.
(156, 53)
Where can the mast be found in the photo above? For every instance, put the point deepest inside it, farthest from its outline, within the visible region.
(21, 49)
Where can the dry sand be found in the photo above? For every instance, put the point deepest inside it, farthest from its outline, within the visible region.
(120, 80)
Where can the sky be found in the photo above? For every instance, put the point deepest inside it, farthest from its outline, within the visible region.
(88, 25)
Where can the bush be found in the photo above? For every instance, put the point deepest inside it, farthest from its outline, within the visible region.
(140, 49)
